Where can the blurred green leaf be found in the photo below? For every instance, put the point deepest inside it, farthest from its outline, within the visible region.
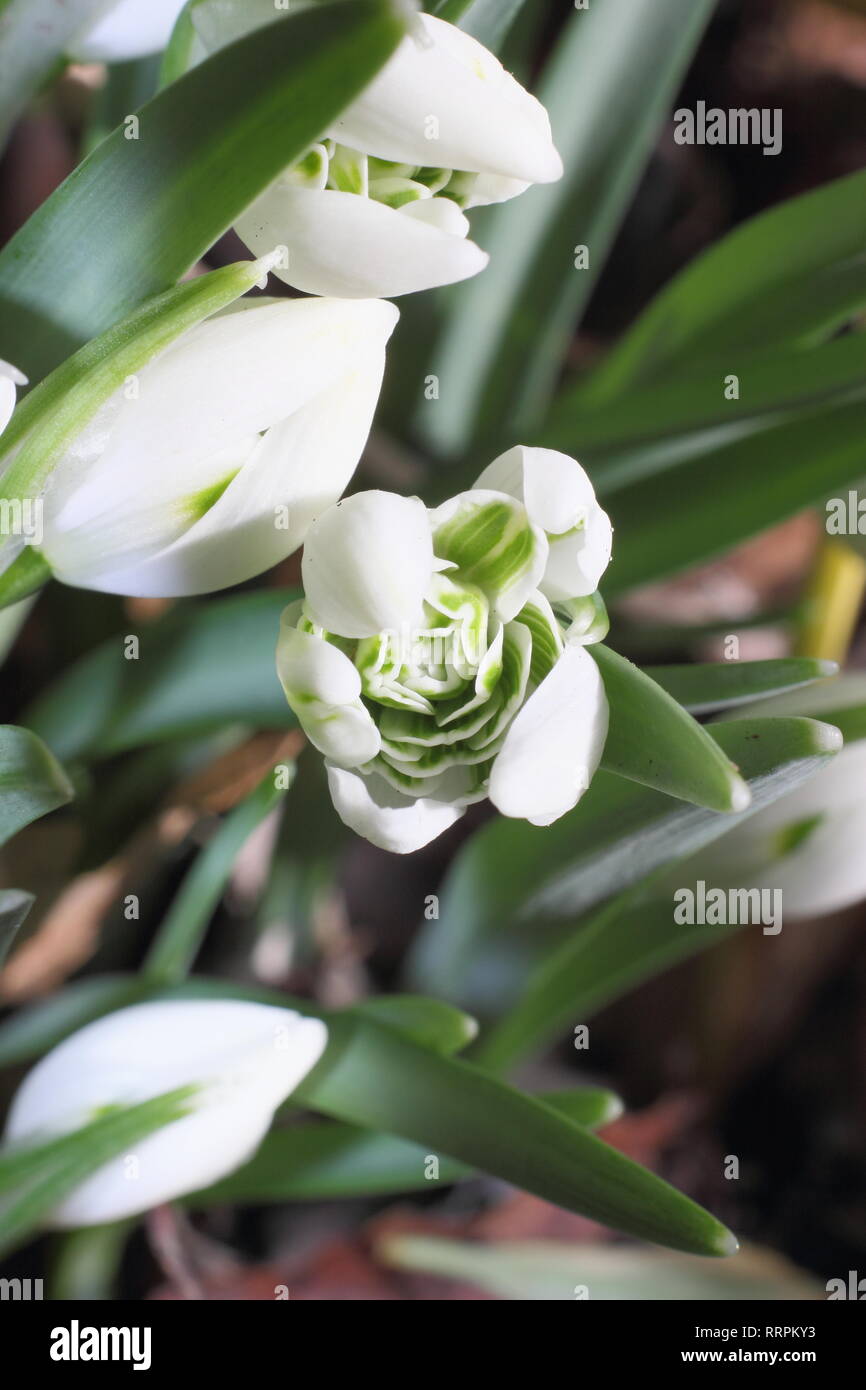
(34, 35)
(555, 1271)
(32, 782)
(180, 935)
(788, 277)
(34, 1179)
(607, 89)
(488, 21)
(430, 1022)
(699, 508)
(201, 667)
(654, 741)
(722, 684)
(324, 1161)
(679, 418)
(134, 217)
(617, 834)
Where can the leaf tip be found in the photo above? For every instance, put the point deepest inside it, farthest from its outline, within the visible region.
(740, 795)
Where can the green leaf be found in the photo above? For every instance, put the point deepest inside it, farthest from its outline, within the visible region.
(179, 938)
(32, 782)
(320, 1162)
(793, 274)
(684, 516)
(510, 873)
(373, 1077)
(36, 1178)
(722, 684)
(34, 35)
(488, 21)
(689, 414)
(554, 1271)
(630, 939)
(14, 907)
(430, 1022)
(654, 741)
(202, 667)
(531, 293)
(132, 219)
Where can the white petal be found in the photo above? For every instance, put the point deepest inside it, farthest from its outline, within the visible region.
(384, 816)
(367, 564)
(345, 244)
(444, 100)
(494, 543)
(560, 498)
(493, 188)
(247, 1057)
(10, 378)
(121, 513)
(324, 689)
(130, 29)
(554, 744)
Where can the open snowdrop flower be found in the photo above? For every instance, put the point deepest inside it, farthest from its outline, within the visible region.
(429, 666)
(377, 208)
(127, 29)
(243, 1060)
(207, 467)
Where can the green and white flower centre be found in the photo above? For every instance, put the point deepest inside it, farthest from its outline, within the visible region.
(343, 170)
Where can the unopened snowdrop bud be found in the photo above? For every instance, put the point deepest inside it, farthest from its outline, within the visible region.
(243, 1059)
(209, 466)
(377, 208)
(10, 380)
(127, 29)
(429, 666)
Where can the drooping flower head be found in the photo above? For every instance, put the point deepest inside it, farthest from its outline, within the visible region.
(439, 656)
(377, 207)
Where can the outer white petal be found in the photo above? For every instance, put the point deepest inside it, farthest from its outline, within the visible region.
(248, 1058)
(384, 816)
(560, 498)
(367, 564)
(10, 378)
(487, 122)
(129, 29)
(324, 689)
(554, 744)
(348, 245)
(118, 517)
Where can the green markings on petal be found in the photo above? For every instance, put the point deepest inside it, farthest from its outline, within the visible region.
(795, 835)
(491, 540)
(347, 172)
(197, 504)
(547, 643)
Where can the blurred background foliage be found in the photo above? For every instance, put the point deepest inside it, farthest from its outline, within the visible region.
(167, 848)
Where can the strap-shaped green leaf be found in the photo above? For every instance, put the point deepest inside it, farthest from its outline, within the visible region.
(510, 873)
(32, 782)
(138, 212)
(790, 276)
(653, 740)
(712, 685)
(322, 1161)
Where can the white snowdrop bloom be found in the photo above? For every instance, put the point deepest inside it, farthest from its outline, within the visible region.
(430, 667)
(127, 29)
(209, 467)
(377, 208)
(243, 1058)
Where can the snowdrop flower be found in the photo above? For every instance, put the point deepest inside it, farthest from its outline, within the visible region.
(10, 380)
(244, 1060)
(378, 207)
(809, 843)
(428, 663)
(127, 29)
(208, 467)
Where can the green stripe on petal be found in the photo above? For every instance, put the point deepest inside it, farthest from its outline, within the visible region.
(494, 545)
(547, 642)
